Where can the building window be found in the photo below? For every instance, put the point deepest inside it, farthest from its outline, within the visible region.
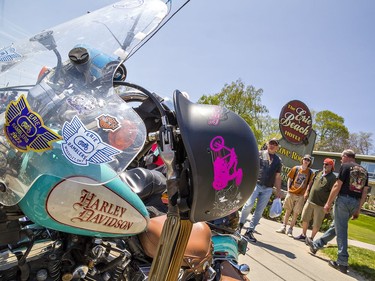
(370, 167)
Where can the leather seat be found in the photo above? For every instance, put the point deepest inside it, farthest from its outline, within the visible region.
(198, 249)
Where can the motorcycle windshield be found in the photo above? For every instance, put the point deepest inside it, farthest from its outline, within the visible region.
(59, 114)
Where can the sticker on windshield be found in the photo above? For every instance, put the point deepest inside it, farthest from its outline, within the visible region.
(108, 122)
(83, 147)
(83, 104)
(9, 54)
(25, 129)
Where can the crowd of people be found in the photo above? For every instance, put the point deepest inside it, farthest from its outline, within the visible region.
(311, 195)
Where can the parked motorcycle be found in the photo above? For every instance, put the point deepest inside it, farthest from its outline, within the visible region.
(74, 203)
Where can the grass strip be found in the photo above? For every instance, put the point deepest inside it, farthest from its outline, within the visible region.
(362, 229)
(360, 260)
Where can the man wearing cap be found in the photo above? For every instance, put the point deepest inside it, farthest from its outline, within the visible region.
(317, 194)
(268, 177)
(299, 177)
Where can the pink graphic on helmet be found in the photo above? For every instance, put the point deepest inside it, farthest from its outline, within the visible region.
(225, 164)
(218, 114)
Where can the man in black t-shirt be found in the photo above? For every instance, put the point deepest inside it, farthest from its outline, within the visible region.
(349, 193)
(269, 176)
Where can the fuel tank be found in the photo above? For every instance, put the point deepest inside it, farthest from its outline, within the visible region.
(79, 205)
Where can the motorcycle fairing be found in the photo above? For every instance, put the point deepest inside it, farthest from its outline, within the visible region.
(223, 155)
(64, 141)
(71, 120)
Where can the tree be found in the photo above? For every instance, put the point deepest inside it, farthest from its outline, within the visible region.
(269, 128)
(361, 143)
(332, 134)
(243, 100)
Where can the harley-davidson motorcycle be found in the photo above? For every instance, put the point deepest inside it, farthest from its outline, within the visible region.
(76, 202)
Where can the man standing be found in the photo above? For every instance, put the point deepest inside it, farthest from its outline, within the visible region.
(299, 178)
(269, 176)
(350, 191)
(317, 194)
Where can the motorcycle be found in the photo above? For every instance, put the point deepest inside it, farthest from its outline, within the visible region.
(74, 203)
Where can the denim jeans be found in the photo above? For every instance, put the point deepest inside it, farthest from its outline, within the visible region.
(326, 237)
(263, 194)
(344, 208)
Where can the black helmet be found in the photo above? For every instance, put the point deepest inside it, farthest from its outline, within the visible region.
(223, 156)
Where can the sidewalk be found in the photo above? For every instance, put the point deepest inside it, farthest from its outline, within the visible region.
(276, 256)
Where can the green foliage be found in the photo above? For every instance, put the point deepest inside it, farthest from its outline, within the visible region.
(326, 222)
(269, 127)
(332, 134)
(360, 260)
(361, 142)
(243, 100)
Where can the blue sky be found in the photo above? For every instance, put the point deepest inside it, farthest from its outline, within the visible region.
(320, 52)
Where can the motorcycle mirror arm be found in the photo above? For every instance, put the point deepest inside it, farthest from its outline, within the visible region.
(48, 41)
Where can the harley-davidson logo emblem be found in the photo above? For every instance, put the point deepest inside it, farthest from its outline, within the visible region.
(108, 123)
(98, 211)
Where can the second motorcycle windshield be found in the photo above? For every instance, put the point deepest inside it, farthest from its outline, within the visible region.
(60, 115)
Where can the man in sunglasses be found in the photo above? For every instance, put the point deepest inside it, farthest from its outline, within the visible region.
(268, 177)
(317, 194)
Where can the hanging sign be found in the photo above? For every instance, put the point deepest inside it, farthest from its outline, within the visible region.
(295, 122)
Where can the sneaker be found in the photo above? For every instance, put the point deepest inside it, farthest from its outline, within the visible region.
(281, 230)
(290, 232)
(249, 236)
(300, 237)
(339, 267)
(307, 240)
(310, 243)
(240, 226)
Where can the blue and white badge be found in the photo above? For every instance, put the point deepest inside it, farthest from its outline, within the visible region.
(82, 147)
(25, 129)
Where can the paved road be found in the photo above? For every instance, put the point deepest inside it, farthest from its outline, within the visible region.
(278, 257)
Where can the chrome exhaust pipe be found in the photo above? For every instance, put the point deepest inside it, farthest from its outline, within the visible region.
(243, 268)
(209, 274)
